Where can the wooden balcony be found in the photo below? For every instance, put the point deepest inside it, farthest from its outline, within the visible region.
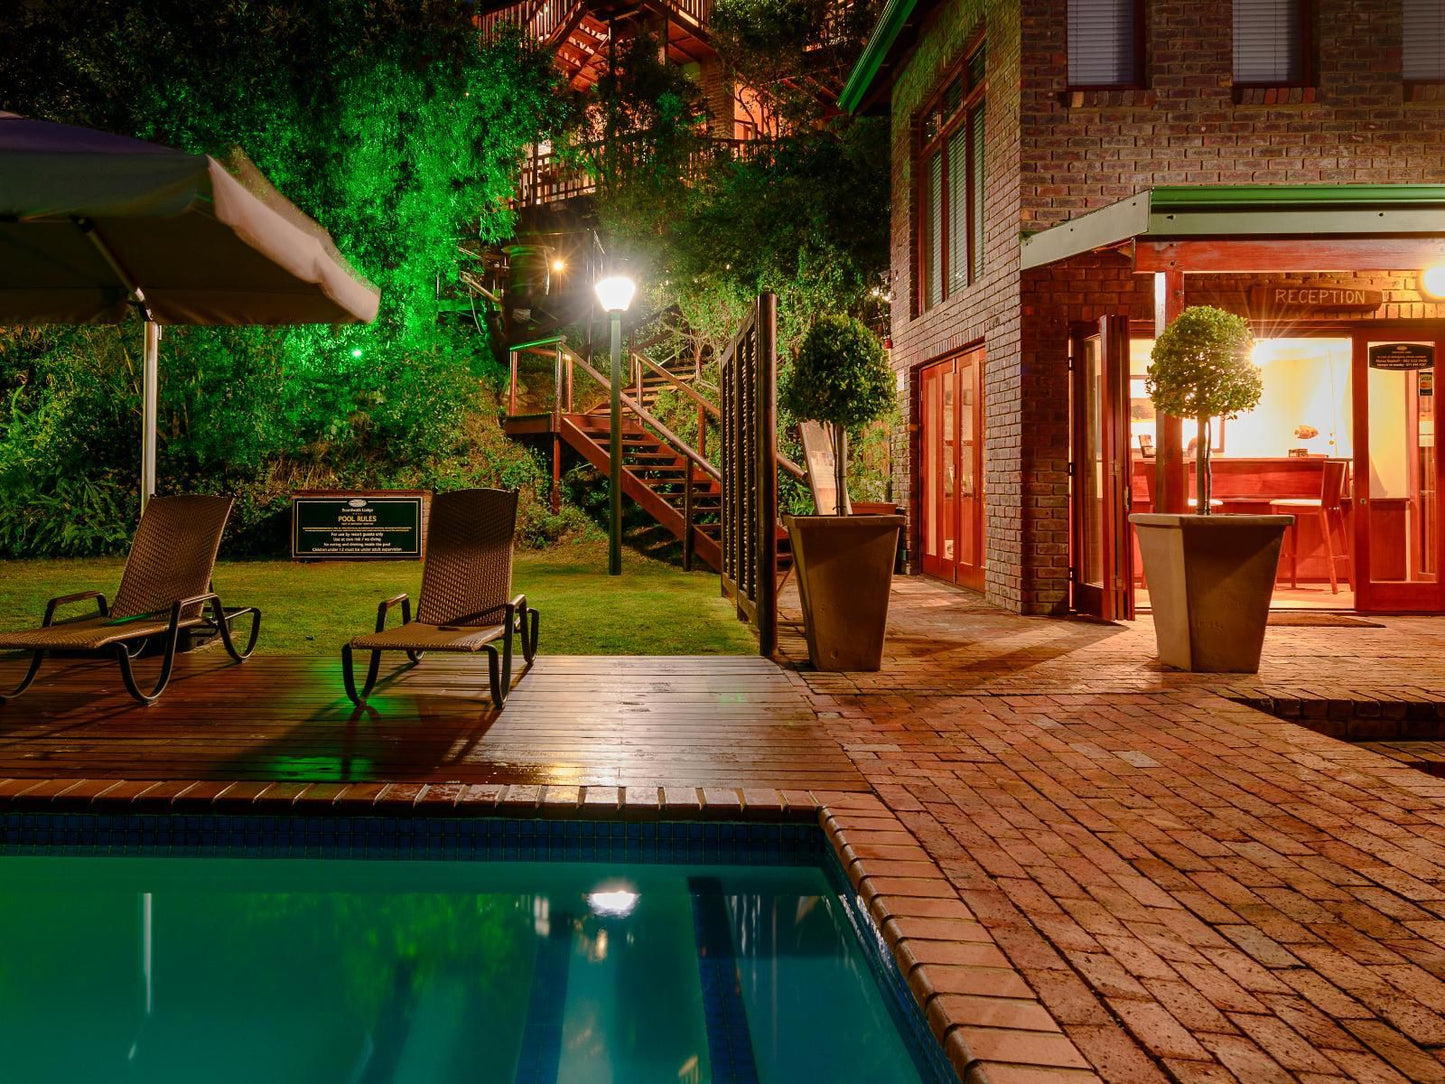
(578, 31)
(549, 177)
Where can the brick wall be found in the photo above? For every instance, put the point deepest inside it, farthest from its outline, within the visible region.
(1187, 128)
(986, 311)
(1052, 156)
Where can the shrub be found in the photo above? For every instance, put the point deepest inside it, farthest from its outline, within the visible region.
(841, 377)
(1202, 369)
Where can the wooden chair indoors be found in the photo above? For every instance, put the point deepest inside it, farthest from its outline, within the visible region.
(466, 602)
(165, 588)
(1328, 509)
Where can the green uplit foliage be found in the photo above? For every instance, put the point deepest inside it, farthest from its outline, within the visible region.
(386, 121)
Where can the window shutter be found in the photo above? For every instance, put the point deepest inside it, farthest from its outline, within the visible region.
(933, 234)
(1424, 41)
(1103, 43)
(958, 210)
(975, 189)
(1268, 42)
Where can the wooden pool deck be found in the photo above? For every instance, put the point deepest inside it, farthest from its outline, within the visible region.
(571, 721)
(1087, 867)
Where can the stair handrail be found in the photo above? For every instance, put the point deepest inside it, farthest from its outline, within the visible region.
(677, 382)
(792, 468)
(644, 415)
(536, 348)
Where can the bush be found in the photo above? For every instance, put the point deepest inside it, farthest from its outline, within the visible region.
(841, 377)
(1202, 368)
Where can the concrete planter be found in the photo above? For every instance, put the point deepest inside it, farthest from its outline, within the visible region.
(1210, 580)
(845, 571)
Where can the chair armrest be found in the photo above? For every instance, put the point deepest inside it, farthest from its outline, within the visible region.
(388, 604)
(518, 604)
(79, 596)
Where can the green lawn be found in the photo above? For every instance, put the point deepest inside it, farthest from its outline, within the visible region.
(309, 609)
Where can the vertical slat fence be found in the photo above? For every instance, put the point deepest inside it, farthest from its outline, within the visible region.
(748, 379)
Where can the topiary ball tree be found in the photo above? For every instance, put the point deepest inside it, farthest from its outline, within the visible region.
(841, 377)
(1202, 369)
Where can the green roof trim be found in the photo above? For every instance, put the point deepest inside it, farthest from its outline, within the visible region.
(1167, 198)
(896, 14)
(1248, 210)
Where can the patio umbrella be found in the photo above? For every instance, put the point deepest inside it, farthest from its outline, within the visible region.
(94, 225)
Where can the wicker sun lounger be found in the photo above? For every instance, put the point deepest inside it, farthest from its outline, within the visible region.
(466, 602)
(166, 587)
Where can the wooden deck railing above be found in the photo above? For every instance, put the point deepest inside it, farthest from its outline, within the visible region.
(550, 177)
(544, 20)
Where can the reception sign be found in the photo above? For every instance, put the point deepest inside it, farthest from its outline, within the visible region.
(1305, 300)
(348, 526)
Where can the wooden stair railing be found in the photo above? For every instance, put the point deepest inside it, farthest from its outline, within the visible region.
(672, 481)
(664, 474)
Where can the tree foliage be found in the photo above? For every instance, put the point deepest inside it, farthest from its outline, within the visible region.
(385, 120)
(840, 375)
(1201, 366)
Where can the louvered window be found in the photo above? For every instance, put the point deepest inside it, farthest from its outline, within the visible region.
(1424, 41)
(1104, 43)
(951, 186)
(1270, 43)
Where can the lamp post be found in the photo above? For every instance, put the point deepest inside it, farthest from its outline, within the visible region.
(614, 293)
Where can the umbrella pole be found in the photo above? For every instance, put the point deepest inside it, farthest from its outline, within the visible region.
(148, 413)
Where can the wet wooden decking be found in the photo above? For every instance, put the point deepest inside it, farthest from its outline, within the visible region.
(576, 721)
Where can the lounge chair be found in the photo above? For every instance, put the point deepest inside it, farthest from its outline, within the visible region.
(166, 587)
(466, 602)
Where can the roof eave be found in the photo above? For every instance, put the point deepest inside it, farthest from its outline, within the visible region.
(858, 91)
(1212, 212)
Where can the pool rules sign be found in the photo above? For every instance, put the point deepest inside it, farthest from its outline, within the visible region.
(356, 526)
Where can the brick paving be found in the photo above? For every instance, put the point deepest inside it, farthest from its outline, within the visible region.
(1194, 890)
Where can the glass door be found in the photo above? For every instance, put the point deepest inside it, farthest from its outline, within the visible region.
(1394, 497)
(1101, 554)
(951, 469)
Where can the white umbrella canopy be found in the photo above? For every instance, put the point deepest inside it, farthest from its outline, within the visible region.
(93, 226)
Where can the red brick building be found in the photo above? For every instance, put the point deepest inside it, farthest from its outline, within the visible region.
(1072, 160)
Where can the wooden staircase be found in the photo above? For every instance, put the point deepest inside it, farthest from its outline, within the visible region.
(669, 479)
(659, 479)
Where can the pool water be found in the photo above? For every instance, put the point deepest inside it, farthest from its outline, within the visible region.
(360, 971)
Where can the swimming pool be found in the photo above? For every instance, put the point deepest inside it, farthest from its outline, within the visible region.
(364, 950)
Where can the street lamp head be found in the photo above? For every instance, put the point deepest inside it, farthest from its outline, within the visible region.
(614, 293)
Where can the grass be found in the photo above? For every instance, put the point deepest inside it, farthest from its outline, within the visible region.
(312, 609)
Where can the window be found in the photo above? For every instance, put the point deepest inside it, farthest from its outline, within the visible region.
(1104, 43)
(950, 186)
(1424, 41)
(1270, 43)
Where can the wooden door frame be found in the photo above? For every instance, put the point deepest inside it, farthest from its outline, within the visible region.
(920, 449)
(1113, 600)
(1387, 597)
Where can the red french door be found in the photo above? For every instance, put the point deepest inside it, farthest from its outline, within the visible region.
(951, 469)
(1101, 554)
(1399, 548)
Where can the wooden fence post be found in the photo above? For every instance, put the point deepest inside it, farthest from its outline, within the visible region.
(767, 473)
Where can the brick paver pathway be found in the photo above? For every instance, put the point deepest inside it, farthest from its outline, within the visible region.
(1195, 890)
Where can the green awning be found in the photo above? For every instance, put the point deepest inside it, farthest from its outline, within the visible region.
(1204, 212)
(895, 17)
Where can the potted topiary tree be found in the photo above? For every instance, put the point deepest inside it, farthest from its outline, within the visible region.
(1210, 576)
(841, 377)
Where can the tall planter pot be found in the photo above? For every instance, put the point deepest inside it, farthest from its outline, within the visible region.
(1210, 580)
(845, 572)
